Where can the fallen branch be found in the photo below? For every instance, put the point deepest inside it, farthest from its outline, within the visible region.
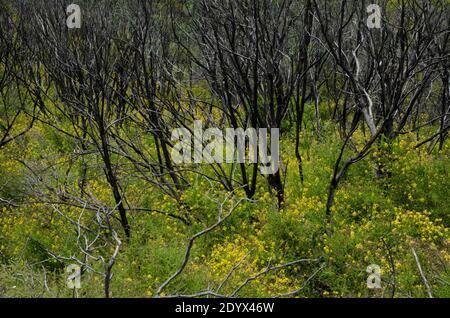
(424, 279)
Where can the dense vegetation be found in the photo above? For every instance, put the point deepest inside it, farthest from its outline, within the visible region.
(87, 176)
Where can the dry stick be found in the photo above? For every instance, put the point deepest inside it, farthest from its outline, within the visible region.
(112, 261)
(199, 294)
(392, 264)
(45, 278)
(425, 281)
(292, 293)
(220, 220)
(269, 269)
(235, 267)
(9, 202)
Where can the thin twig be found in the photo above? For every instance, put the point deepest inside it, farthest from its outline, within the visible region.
(424, 279)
